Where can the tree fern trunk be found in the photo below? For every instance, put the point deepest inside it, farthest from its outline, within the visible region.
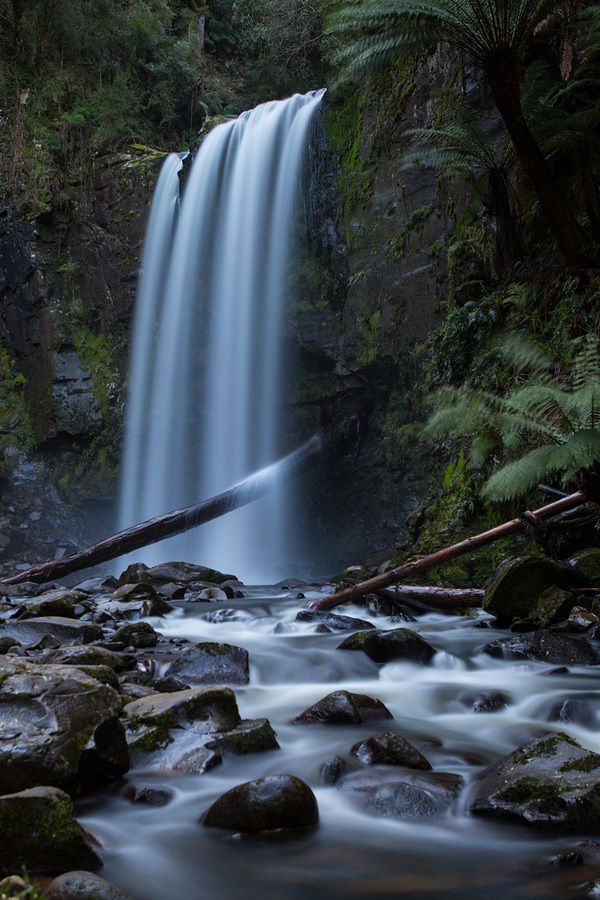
(502, 71)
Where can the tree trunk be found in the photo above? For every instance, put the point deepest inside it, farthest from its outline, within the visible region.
(502, 70)
(179, 520)
(442, 556)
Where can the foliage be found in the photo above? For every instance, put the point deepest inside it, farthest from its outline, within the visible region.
(556, 409)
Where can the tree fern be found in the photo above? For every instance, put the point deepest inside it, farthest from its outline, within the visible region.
(559, 415)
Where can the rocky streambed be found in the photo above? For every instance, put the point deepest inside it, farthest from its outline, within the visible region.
(183, 735)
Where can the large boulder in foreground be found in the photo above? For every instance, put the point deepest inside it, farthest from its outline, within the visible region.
(343, 708)
(545, 646)
(517, 589)
(267, 804)
(39, 833)
(82, 886)
(58, 726)
(550, 783)
(211, 663)
(393, 645)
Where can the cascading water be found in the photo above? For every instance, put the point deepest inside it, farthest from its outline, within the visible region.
(207, 359)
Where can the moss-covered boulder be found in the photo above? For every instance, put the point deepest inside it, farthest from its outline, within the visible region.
(386, 646)
(389, 749)
(550, 783)
(518, 587)
(274, 803)
(39, 833)
(343, 708)
(58, 726)
(137, 634)
(583, 568)
(211, 663)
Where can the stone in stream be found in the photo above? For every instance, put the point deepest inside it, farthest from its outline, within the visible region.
(332, 770)
(58, 726)
(343, 708)
(39, 833)
(518, 587)
(148, 796)
(550, 783)
(82, 886)
(386, 646)
(88, 655)
(333, 621)
(62, 630)
(168, 572)
(137, 634)
(402, 796)
(546, 646)
(485, 702)
(583, 568)
(131, 610)
(101, 584)
(273, 803)
(389, 749)
(7, 644)
(581, 619)
(59, 602)
(211, 663)
(139, 591)
(581, 709)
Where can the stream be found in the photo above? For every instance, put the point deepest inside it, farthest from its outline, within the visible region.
(155, 853)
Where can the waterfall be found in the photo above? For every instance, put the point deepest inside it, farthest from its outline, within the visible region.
(205, 388)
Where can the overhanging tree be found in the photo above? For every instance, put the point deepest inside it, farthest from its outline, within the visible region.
(492, 32)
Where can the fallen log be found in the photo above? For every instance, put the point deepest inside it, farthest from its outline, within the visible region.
(154, 530)
(433, 597)
(447, 553)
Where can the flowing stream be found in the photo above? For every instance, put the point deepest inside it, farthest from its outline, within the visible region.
(157, 853)
(205, 396)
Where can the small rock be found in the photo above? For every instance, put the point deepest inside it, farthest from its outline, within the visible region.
(83, 886)
(387, 646)
(580, 619)
(39, 832)
(148, 796)
(488, 702)
(406, 796)
(583, 568)
(141, 591)
(389, 749)
(86, 655)
(582, 709)
(332, 770)
(137, 634)
(343, 708)
(267, 804)
(211, 663)
(7, 643)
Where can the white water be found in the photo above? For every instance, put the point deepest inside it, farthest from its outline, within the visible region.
(205, 396)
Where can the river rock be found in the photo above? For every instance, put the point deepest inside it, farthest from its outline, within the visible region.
(550, 783)
(58, 725)
(39, 832)
(518, 586)
(332, 770)
(203, 594)
(86, 655)
(546, 646)
(130, 610)
(552, 606)
(62, 630)
(172, 572)
(101, 584)
(148, 796)
(581, 619)
(386, 646)
(59, 602)
(581, 709)
(266, 804)
(333, 621)
(137, 634)
(211, 663)
(389, 749)
(136, 591)
(83, 886)
(343, 708)
(485, 702)
(583, 568)
(7, 644)
(402, 796)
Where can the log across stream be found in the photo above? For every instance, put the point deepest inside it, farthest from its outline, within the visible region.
(353, 853)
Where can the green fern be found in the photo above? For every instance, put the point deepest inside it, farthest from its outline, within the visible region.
(558, 414)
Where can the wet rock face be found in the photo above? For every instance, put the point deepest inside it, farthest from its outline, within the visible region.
(211, 663)
(57, 725)
(550, 783)
(40, 833)
(518, 591)
(83, 886)
(389, 749)
(268, 804)
(405, 796)
(546, 646)
(387, 646)
(343, 708)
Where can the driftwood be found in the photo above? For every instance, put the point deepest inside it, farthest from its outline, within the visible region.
(447, 553)
(432, 597)
(179, 520)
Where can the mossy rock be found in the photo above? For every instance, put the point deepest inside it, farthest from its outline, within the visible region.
(39, 833)
(517, 588)
(583, 568)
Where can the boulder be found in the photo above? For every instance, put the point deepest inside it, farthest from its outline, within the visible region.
(546, 646)
(63, 630)
(343, 708)
(268, 804)
(580, 709)
(173, 572)
(57, 725)
(550, 783)
(39, 833)
(332, 770)
(83, 886)
(583, 568)
(333, 621)
(517, 587)
(581, 619)
(86, 655)
(387, 646)
(137, 634)
(389, 749)
(485, 702)
(211, 663)
(139, 591)
(402, 796)
(552, 606)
